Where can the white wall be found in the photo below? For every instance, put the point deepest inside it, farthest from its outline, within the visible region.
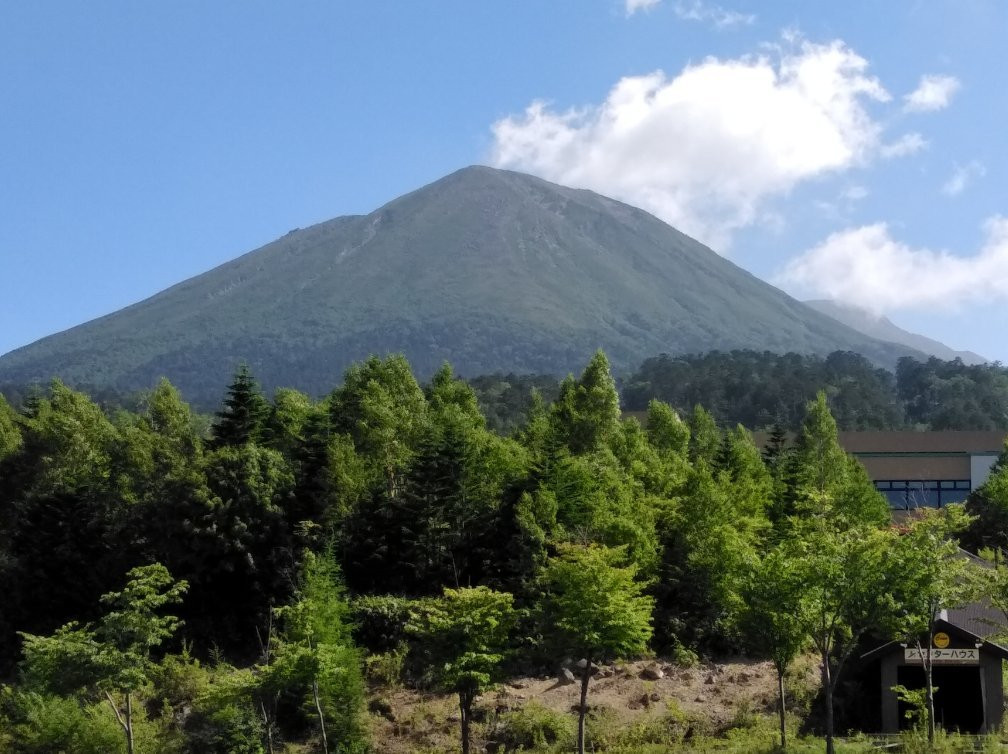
(980, 467)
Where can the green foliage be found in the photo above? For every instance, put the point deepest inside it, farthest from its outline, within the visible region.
(315, 655)
(286, 421)
(10, 436)
(380, 621)
(33, 722)
(586, 412)
(245, 410)
(115, 654)
(989, 507)
(823, 480)
(916, 701)
(386, 668)
(704, 436)
(613, 540)
(465, 634)
(759, 389)
(532, 727)
(508, 401)
(668, 432)
(928, 573)
(594, 602)
(382, 409)
(952, 395)
(231, 728)
(710, 538)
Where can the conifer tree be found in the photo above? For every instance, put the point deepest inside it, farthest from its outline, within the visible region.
(704, 437)
(587, 412)
(245, 410)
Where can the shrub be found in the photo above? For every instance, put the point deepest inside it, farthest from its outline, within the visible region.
(231, 728)
(386, 667)
(380, 622)
(38, 723)
(533, 726)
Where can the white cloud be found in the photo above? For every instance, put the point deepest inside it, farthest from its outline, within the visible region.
(714, 14)
(962, 177)
(932, 93)
(855, 193)
(632, 6)
(705, 149)
(867, 267)
(903, 146)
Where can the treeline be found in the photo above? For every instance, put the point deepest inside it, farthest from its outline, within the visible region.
(198, 591)
(761, 390)
(758, 390)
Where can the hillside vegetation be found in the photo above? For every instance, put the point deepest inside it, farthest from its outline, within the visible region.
(760, 390)
(487, 269)
(270, 585)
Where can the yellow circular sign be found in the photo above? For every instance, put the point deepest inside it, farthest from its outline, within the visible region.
(941, 640)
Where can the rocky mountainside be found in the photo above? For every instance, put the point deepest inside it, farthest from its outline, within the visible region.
(488, 269)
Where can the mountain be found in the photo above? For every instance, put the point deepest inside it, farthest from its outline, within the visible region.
(488, 269)
(882, 328)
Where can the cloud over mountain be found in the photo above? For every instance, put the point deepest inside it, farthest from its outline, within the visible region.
(706, 149)
(869, 268)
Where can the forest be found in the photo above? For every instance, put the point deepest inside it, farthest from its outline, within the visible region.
(257, 583)
(757, 389)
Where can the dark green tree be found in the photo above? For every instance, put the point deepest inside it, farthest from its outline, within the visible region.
(245, 410)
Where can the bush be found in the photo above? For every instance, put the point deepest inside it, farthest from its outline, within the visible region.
(533, 726)
(38, 723)
(666, 730)
(380, 622)
(232, 728)
(386, 668)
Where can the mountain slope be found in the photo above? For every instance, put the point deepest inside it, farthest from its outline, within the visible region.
(489, 269)
(883, 329)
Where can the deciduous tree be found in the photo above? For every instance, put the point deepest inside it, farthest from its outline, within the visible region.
(465, 635)
(597, 609)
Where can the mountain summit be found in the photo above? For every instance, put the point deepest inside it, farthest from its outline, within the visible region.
(489, 269)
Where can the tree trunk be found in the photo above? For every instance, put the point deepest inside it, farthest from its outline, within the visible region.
(929, 697)
(268, 725)
(583, 709)
(828, 686)
(465, 704)
(780, 707)
(321, 717)
(129, 723)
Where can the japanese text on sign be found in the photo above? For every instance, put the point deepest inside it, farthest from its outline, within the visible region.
(944, 656)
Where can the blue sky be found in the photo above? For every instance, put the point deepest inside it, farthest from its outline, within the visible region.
(850, 150)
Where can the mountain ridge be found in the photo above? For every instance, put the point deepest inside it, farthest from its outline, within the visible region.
(491, 270)
(883, 328)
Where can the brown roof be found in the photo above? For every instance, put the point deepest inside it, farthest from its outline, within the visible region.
(908, 441)
(923, 442)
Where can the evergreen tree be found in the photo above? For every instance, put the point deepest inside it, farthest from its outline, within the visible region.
(587, 411)
(245, 410)
(704, 436)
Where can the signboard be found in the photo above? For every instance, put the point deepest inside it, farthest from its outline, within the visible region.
(941, 640)
(969, 656)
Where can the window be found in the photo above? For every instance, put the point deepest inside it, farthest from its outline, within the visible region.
(905, 494)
